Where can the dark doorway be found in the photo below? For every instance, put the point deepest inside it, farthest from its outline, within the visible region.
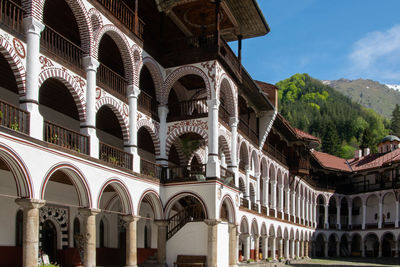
(49, 240)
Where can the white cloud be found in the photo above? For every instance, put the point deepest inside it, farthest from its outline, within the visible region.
(377, 55)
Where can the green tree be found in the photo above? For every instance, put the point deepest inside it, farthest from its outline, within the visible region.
(330, 140)
(395, 122)
(367, 140)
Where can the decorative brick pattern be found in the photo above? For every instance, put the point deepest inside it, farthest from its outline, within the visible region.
(182, 130)
(153, 131)
(155, 73)
(73, 84)
(9, 53)
(96, 20)
(224, 144)
(176, 75)
(117, 108)
(123, 45)
(225, 85)
(137, 61)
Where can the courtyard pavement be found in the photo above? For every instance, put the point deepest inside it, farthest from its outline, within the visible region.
(348, 262)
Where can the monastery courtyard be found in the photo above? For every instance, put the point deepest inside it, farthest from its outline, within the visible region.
(349, 262)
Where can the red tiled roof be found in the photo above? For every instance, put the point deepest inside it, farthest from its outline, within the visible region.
(374, 160)
(303, 135)
(331, 162)
(267, 87)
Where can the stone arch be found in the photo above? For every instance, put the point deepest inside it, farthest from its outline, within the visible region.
(119, 112)
(198, 155)
(243, 147)
(20, 172)
(81, 17)
(179, 195)
(264, 229)
(123, 45)
(231, 208)
(256, 161)
(153, 131)
(254, 227)
(75, 85)
(137, 62)
(122, 191)
(155, 73)
(77, 178)
(96, 19)
(223, 140)
(225, 84)
(178, 131)
(154, 201)
(272, 172)
(244, 225)
(271, 231)
(179, 73)
(14, 60)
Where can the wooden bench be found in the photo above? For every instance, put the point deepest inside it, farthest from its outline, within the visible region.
(190, 261)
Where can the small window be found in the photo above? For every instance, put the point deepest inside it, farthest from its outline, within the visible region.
(388, 215)
(376, 216)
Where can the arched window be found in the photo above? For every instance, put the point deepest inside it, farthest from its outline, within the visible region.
(18, 228)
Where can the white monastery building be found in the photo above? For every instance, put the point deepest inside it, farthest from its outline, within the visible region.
(131, 134)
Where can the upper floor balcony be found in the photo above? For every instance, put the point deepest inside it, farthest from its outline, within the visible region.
(11, 15)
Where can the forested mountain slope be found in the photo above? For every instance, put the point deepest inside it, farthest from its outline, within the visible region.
(342, 124)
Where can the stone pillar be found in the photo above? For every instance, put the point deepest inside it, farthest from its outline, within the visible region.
(88, 127)
(338, 224)
(212, 248)
(302, 248)
(233, 122)
(326, 223)
(131, 240)
(396, 222)
(273, 195)
(326, 249)
(287, 248)
(264, 247)
(292, 249)
(288, 202)
(293, 212)
(162, 132)
(280, 247)
(257, 247)
(380, 249)
(364, 214)
(350, 216)
(307, 249)
(303, 200)
(30, 231)
(89, 226)
(233, 249)
(396, 249)
(30, 102)
(362, 249)
(266, 194)
(280, 187)
(246, 245)
(247, 181)
(273, 248)
(380, 215)
(306, 215)
(338, 248)
(298, 211)
(213, 161)
(131, 145)
(162, 241)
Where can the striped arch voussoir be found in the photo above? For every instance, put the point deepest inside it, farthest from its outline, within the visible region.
(74, 87)
(116, 107)
(155, 73)
(153, 133)
(183, 130)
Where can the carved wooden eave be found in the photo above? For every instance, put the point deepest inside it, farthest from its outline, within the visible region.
(265, 129)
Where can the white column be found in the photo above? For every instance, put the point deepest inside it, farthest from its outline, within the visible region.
(131, 145)
(294, 205)
(213, 162)
(266, 194)
(131, 241)
(396, 223)
(233, 122)
(258, 196)
(315, 213)
(288, 202)
(89, 126)
(297, 248)
(162, 115)
(326, 224)
(247, 181)
(292, 249)
(247, 243)
(364, 215)
(273, 197)
(306, 212)
(287, 249)
(380, 214)
(303, 200)
(233, 248)
(273, 248)
(281, 195)
(30, 102)
(90, 235)
(338, 224)
(298, 213)
(265, 247)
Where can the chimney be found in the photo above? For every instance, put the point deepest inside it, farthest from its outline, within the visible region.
(358, 154)
(366, 151)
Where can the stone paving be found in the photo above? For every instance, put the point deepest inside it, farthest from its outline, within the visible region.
(348, 262)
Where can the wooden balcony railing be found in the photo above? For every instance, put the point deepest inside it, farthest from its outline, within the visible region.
(190, 109)
(115, 156)
(244, 203)
(254, 207)
(229, 57)
(147, 104)
(60, 46)
(112, 82)
(227, 176)
(11, 15)
(149, 168)
(189, 172)
(272, 212)
(14, 118)
(224, 114)
(124, 14)
(63, 137)
(264, 210)
(248, 131)
(273, 151)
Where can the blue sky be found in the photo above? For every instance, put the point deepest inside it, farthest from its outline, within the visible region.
(329, 39)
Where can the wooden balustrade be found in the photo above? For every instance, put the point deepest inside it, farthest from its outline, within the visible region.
(115, 156)
(193, 213)
(229, 57)
(190, 109)
(224, 114)
(273, 151)
(254, 207)
(188, 172)
(244, 203)
(112, 82)
(248, 131)
(63, 137)
(272, 212)
(264, 210)
(11, 15)
(60, 46)
(147, 104)
(125, 15)
(14, 118)
(227, 176)
(149, 168)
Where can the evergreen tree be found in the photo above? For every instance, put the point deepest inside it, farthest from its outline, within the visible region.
(330, 140)
(395, 122)
(367, 140)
